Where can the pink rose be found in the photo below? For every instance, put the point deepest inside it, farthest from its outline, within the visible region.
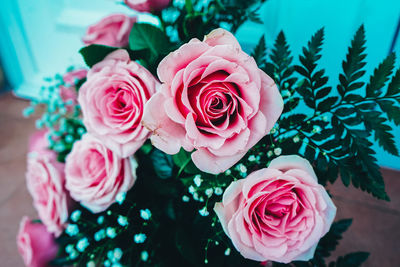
(112, 30)
(213, 99)
(278, 213)
(112, 101)
(95, 174)
(36, 246)
(147, 5)
(68, 91)
(72, 77)
(46, 183)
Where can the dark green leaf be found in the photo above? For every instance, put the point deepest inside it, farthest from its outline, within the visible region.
(184, 162)
(94, 53)
(354, 259)
(394, 85)
(381, 76)
(259, 52)
(162, 163)
(145, 36)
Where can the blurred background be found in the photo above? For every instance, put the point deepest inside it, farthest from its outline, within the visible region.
(41, 38)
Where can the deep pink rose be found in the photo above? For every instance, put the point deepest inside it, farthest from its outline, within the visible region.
(278, 213)
(95, 174)
(112, 101)
(213, 99)
(36, 246)
(46, 183)
(112, 30)
(147, 5)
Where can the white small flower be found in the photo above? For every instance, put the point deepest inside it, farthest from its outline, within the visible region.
(118, 253)
(185, 198)
(144, 255)
(99, 235)
(91, 264)
(296, 139)
(209, 192)
(197, 180)
(196, 196)
(228, 172)
(110, 232)
(242, 168)
(278, 151)
(122, 220)
(120, 198)
(72, 229)
(145, 214)
(76, 215)
(252, 158)
(191, 189)
(270, 153)
(204, 212)
(100, 219)
(139, 238)
(325, 118)
(218, 191)
(82, 244)
(227, 252)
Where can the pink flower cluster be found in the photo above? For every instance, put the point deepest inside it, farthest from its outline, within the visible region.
(212, 100)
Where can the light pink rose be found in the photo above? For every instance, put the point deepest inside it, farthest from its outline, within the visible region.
(278, 213)
(95, 174)
(68, 91)
(46, 183)
(36, 246)
(112, 30)
(112, 101)
(147, 5)
(213, 99)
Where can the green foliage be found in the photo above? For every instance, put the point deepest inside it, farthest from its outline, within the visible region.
(329, 242)
(354, 259)
(94, 53)
(145, 36)
(337, 130)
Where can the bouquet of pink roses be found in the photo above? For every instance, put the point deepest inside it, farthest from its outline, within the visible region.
(177, 148)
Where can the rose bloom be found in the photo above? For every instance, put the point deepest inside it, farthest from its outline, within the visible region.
(147, 5)
(213, 99)
(95, 174)
(46, 183)
(112, 30)
(36, 246)
(112, 101)
(68, 91)
(278, 213)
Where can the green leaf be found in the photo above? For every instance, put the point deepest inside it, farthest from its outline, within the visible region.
(394, 85)
(352, 66)
(381, 76)
(259, 53)
(382, 131)
(391, 109)
(162, 163)
(327, 103)
(145, 36)
(328, 243)
(354, 259)
(184, 161)
(94, 53)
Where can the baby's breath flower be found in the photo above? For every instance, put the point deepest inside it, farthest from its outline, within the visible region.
(139, 238)
(218, 191)
(145, 214)
(144, 255)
